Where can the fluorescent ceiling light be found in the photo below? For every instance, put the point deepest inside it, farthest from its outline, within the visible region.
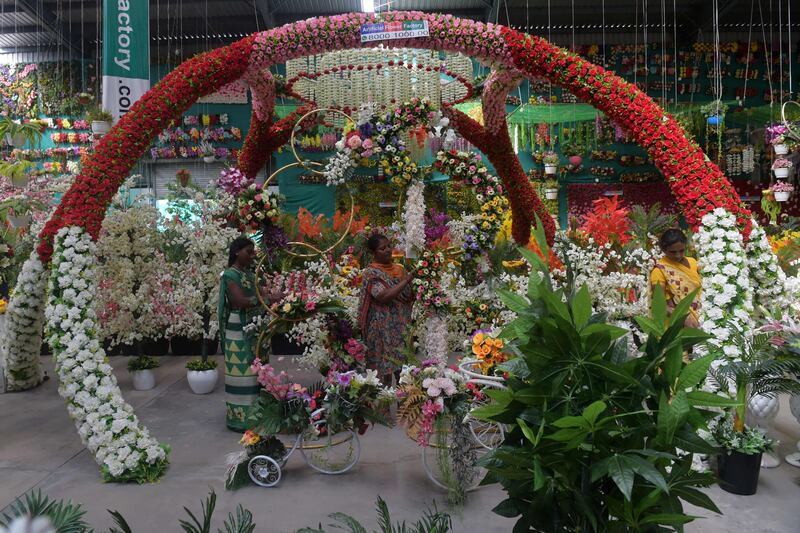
(368, 6)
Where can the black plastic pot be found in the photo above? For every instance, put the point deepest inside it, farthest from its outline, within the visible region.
(111, 350)
(738, 472)
(128, 349)
(212, 347)
(281, 345)
(159, 347)
(185, 346)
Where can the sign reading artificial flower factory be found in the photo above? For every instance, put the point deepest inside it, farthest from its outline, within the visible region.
(126, 54)
(384, 31)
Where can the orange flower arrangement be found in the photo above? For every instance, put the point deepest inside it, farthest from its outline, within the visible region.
(488, 351)
(340, 219)
(309, 226)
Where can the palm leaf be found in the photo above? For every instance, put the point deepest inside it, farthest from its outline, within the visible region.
(242, 522)
(208, 511)
(120, 521)
(66, 517)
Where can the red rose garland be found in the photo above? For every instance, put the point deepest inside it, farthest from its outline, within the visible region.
(264, 138)
(697, 183)
(86, 201)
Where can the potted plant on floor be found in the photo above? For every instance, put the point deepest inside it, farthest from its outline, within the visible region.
(100, 119)
(761, 369)
(202, 373)
(594, 433)
(141, 369)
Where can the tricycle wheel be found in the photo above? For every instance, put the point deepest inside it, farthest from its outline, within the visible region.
(264, 471)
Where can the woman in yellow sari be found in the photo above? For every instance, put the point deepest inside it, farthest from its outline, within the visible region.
(677, 274)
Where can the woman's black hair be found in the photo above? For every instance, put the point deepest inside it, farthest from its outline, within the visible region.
(238, 244)
(670, 237)
(374, 241)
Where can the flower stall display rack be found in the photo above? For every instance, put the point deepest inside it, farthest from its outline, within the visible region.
(66, 242)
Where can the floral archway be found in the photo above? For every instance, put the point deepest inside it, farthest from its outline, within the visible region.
(106, 423)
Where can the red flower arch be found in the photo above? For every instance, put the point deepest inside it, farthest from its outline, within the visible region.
(697, 183)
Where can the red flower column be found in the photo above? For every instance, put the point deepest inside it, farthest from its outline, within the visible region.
(85, 203)
(698, 184)
(493, 140)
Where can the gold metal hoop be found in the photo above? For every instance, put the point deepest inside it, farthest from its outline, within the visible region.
(783, 109)
(305, 164)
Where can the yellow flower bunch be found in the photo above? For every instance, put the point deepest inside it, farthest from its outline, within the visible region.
(3, 306)
(784, 239)
(250, 438)
(488, 351)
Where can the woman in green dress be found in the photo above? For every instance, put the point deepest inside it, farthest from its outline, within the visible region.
(237, 305)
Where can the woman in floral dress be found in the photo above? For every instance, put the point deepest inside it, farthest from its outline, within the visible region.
(677, 274)
(384, 309)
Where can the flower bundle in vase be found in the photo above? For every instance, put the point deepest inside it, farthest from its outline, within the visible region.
(256, 206)
(488, 351)
(183, 177)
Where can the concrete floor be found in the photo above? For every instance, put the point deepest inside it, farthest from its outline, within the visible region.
(39, 449)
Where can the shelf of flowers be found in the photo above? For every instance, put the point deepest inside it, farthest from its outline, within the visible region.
(198, 136)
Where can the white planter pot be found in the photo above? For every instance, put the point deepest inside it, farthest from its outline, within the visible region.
(550, 169)
(782, 196)
(17, 141)
(21, 221)
(202, 382)
(208, 159)
(551, 194)
(782, 173)
(143, 379)
(780, 149)
(100, 127)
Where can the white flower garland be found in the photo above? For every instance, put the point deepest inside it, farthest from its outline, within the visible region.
(727, 300)
(769, 280)
(106, 423)
(414, 218)
(436, 345)
(25, 315)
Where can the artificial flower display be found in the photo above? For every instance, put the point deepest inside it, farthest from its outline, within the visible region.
(257, 206)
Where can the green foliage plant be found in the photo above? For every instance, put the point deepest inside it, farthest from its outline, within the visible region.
(432, 521)
(142, 362)
(761, 368)
(597, 440)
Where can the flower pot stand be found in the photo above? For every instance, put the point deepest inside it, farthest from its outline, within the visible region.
(780, 149)
(202, 381)
(738, 472)
(794, 406)
(781, 196)
(143, 379)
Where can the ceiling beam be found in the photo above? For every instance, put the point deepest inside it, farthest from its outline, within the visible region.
(267, 15)
(48, 22)
(491, 11)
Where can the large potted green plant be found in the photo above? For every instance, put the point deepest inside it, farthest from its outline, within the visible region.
(598, 431)
(761, 368)
(17, 134)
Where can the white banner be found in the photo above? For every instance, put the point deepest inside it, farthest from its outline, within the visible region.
(119, 94)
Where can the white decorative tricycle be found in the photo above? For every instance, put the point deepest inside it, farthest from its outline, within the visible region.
(325, 452)
(486, 435)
